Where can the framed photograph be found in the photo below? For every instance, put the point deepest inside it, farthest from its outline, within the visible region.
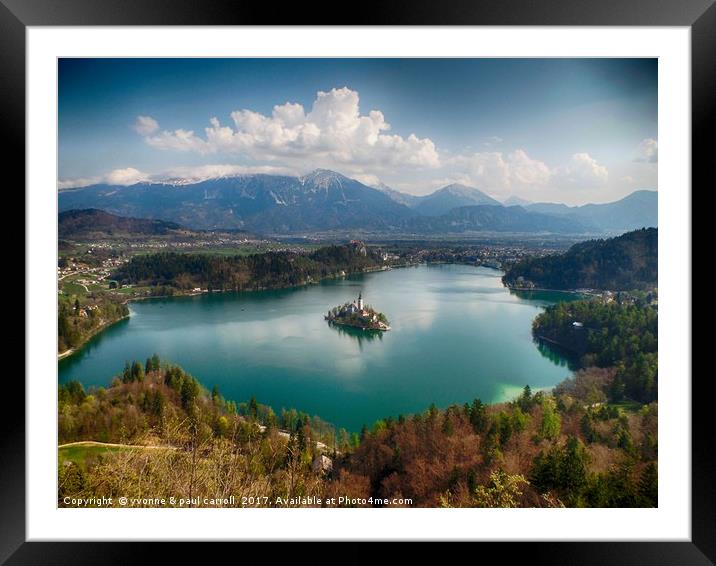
(401, 278)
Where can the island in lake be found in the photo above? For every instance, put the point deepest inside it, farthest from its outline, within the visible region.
(358, 315)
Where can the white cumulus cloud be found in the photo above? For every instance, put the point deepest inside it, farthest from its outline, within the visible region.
(333, 133)
(199, 172)
(648, 151)
(179, 140)
(582, 172)
(126, 176)
(526, 171)
(499, 171)
(194, 173)
(368, 179)
(145, 125)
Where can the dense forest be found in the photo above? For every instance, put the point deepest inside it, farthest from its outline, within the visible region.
(78, 320)
(257, 271)
(590, 442)
(144, 397)
(621, 333)
(571, 447)
(93, 222)
(627, 262)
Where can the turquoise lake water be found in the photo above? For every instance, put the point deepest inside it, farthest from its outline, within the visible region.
(457, 334)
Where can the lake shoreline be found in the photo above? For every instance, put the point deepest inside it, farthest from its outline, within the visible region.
(376, 269)
(95, 332)
(271, 287)
(72, 351)
(358, 326)
(282, 350)
(547, 290)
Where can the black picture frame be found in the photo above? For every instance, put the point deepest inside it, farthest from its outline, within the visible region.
(699, 15)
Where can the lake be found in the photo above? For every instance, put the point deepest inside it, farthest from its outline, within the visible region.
(457, 334)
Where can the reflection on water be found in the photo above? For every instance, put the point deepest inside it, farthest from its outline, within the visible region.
(358, 334)
(545, 296)
(457, 334)
(557, 355)
(94, 346)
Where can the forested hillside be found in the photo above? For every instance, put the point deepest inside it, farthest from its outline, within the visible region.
(627, 262)
(621, 334)
(570, 448)
(257, 271)
(77, 321)
(93, 222)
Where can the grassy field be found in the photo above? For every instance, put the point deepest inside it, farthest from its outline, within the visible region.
(69, 288)
(79, 453)
(131, 290)
(628, 406)
(71, 285)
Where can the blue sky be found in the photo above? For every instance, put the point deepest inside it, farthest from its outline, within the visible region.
(567, 130)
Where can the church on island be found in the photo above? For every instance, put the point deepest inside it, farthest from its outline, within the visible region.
(359, 315)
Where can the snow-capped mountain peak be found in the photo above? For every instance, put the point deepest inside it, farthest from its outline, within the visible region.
(323, 179)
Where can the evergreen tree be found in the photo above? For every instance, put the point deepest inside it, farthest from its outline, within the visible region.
(127, 373)
(524, 401)
(137, 372)
(363, 432)
(573, 467)
(649, 486)
(551, 422)
(253, 408)
(478, 416)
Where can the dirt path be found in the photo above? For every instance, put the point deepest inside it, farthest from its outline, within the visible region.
(282, 433)
(115, 445)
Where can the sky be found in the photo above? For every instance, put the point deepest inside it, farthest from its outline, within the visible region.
(558, 130)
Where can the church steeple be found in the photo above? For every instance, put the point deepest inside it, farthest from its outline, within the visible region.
(360, 301)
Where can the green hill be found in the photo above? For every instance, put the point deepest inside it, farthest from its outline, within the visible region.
(93, 222)
(173, 439)
(627, 262)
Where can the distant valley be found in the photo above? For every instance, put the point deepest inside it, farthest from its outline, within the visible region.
(325, 201)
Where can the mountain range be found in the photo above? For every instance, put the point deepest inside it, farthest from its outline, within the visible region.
(453, 196)
(325, 200)
(514, 200)
(637, 210)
